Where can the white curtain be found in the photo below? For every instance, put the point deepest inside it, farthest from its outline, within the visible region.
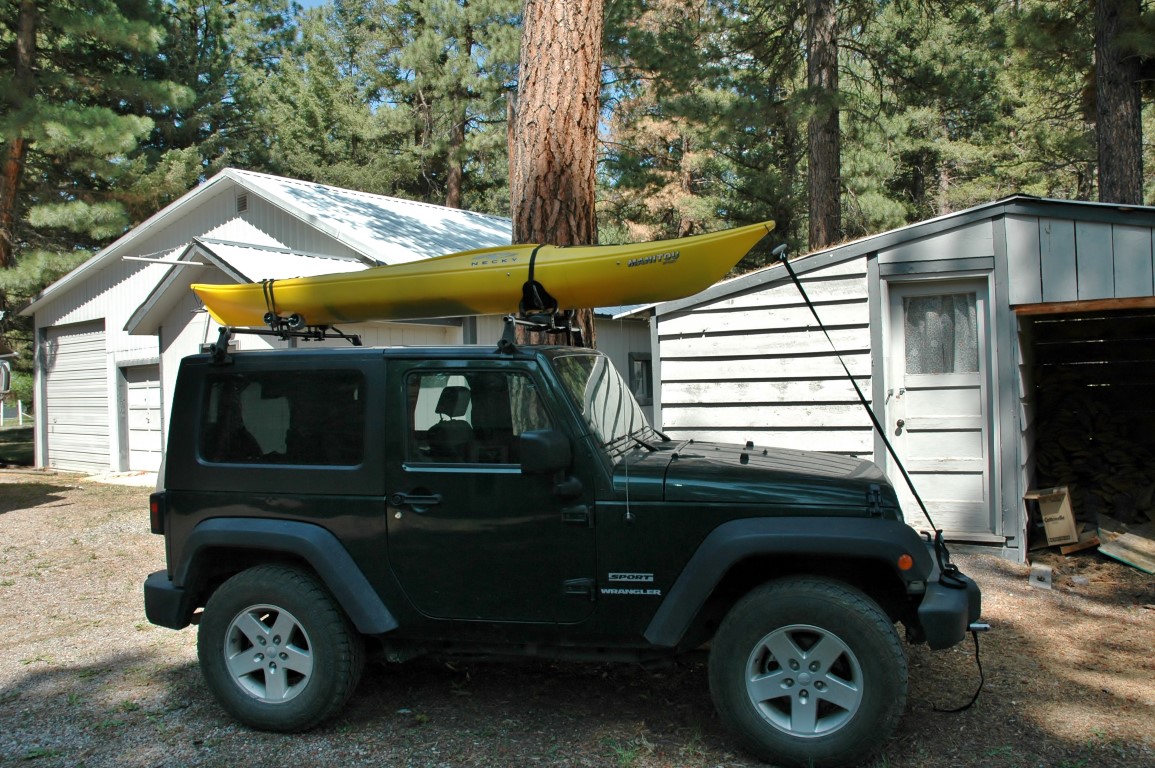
(941, 334)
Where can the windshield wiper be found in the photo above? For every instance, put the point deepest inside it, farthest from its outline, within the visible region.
(637, 440)
(630, 437)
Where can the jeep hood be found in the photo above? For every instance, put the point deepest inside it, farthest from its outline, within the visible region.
(712, 473)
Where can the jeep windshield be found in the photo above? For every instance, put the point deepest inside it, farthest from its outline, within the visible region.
(605, 402)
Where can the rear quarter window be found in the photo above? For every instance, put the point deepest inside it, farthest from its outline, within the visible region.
(284, 417)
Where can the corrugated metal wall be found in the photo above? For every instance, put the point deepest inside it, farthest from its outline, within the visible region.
(76, 397)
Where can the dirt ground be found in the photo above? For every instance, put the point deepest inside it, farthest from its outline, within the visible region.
(85, 680)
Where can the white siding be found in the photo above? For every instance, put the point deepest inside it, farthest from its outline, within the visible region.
(757, 367)
(280, 228)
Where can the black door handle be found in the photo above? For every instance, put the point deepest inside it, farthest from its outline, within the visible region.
(418, 502)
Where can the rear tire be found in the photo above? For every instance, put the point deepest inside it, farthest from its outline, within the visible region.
(809, 672)
(277, 651)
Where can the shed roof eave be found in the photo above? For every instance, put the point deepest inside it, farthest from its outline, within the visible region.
(145, 320)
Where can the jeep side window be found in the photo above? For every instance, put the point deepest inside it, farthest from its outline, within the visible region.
(473, 417)
(303, 418)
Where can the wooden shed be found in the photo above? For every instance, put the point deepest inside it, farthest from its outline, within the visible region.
(1004, 348)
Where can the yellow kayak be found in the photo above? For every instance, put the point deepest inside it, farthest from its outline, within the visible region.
(489, 281)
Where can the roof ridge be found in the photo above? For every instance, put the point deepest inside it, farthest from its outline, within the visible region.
(361, 193)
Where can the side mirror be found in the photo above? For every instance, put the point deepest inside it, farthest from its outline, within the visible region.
(544, 452)
(5, 377)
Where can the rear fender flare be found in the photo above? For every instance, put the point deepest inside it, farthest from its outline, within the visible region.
(311, 543)
(821, 537)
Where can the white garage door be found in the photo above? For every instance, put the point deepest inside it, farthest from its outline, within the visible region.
(76, 383)
(144, 428)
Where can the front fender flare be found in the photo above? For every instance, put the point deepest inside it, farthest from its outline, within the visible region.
(825, 537)
(313, 544)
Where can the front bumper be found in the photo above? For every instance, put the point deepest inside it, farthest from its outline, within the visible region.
(951, 604)
(165, 604)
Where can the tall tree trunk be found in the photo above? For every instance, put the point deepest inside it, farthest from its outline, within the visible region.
(16, 150)
(553, 165)
(686, 186)
(824, 169)
(456, 175)
(1118, 104)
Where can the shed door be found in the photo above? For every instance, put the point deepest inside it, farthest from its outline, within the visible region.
(76, 385)
(142, 398)
(938, 403)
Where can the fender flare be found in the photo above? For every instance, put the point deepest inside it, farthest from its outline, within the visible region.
(730, 543)
(313, 544)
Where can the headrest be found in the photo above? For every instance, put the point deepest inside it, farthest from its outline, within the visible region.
(453, 402)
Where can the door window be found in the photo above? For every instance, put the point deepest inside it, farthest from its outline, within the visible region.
(473, 417)
(941, 334)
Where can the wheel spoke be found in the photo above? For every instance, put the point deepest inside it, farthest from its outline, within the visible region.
(783, 647)
(299, 660)
(840, 693)
(244, 663)
(766, 687)
(283, 627)
(826, 651)
(251, 627)
(276, 685)
(803, 714)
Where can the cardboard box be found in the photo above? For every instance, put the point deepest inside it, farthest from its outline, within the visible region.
(1058, 517)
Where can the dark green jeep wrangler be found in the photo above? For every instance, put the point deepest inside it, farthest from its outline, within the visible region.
(322, 504)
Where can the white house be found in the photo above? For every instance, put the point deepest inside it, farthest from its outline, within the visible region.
(1003, 348)
(110, 333)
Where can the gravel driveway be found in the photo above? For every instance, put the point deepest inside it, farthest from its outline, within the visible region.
(85, 680)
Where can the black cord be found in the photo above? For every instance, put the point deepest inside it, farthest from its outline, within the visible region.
(982, 679)
(866, 405)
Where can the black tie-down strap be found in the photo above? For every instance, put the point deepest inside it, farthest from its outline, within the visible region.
(270, 302)
(535, 299)
(538, 311)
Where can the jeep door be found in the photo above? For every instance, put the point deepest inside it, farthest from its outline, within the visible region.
(470, 536)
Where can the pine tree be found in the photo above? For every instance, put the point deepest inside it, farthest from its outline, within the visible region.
(399, 97)
(224, 53)
(324, 100)
(456, 61)
(74, 110)
(706, 119)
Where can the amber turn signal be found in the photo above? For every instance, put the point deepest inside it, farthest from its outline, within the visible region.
(905, 562)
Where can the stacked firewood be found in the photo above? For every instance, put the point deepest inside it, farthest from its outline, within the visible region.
(1104, 454)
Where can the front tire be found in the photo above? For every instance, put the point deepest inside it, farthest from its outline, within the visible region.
(809, 672)
(277, 651)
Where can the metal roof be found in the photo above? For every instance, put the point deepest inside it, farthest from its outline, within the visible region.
(388, 230)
